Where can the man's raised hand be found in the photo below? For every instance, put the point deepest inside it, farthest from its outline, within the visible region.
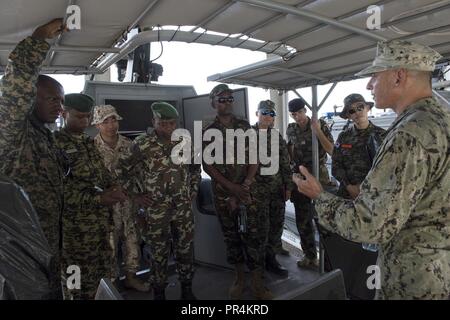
(50, 30)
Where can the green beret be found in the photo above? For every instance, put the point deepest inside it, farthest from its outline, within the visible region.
(164, 110)
(79, 101)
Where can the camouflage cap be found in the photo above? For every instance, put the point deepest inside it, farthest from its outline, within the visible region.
(402, 54)
(350, 100)
(164, 110)
(102, 112)
(266, 105)
(296, 104)
(79, 101)
(219, 89)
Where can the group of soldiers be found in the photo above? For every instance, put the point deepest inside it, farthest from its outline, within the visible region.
(87, 192)
(402, 204)
(265, 196)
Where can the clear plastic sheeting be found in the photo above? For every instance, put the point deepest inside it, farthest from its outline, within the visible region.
(24, 252)
(107, 291)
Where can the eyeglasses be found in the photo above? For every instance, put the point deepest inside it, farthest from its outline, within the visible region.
(268, 113)
(225, 99)
(359, 107)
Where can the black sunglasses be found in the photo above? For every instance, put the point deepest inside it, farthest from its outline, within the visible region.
(268, 113)
(359, 107)
(225, 99)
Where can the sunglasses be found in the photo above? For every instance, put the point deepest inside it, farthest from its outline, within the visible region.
(268, 113)
(225, 99)
(359, 107)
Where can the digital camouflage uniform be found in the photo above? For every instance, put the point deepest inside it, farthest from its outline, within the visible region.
(353, 155)
(27, 147)
(253, 241)
(300, 140)
(404, 205)
(86, 223)
(270, 192)
(123, 215)
(150, 169)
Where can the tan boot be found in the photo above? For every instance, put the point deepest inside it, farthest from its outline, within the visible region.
(133, 282)
(260, 292)
(237, 288)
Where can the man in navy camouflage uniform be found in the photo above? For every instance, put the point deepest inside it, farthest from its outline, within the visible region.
(404, 202)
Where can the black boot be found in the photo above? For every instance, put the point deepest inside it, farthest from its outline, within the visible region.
(159, 293)
(186, 291)
(273, 266)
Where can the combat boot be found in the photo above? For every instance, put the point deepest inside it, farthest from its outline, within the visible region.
(260, 292)
(272, 265)
(159, 293)
(133, 282)
(237, 288)
(186, 291)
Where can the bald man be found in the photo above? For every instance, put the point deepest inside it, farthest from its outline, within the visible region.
(29, 156)
(404, 201)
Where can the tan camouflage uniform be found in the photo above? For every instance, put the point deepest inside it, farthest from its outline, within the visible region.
(404, 205)
(86, 223)
(123, 214)
(27, 147)
(150, 169)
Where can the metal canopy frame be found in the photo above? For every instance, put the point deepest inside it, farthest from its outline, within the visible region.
(274, 12)
(295, 72)
(317, 78)
(275, 6)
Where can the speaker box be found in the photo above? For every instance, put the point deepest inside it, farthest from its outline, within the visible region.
(352, 259)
